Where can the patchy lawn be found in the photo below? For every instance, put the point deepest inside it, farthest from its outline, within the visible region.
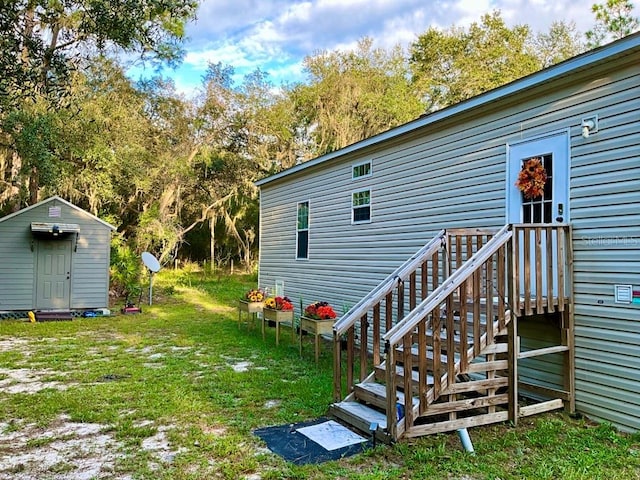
(174, 393)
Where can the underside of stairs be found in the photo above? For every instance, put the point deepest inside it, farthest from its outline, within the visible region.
(451, 362)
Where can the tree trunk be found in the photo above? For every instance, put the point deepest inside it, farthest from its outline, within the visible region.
(212, 242)
(34, 186)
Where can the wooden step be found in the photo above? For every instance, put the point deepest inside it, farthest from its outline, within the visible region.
(375, 394)
(361, 417)
(53, 315)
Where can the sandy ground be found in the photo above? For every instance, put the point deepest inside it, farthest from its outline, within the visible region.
(65, 449)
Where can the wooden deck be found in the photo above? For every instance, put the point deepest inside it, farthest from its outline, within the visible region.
(442, 330)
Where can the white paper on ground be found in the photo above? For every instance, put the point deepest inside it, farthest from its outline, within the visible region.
(331, 435)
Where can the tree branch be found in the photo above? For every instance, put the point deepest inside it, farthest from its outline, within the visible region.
(205, 212)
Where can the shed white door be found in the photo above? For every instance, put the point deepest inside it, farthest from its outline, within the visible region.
(553, 205)
(53, 279)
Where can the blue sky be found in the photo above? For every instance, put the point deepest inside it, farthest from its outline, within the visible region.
(276, 35)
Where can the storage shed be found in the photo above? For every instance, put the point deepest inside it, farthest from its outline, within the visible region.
(346, 228)
(54, 256)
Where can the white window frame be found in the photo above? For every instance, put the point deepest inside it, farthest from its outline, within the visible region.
(353, 207)
(308, 229)
(359, 164)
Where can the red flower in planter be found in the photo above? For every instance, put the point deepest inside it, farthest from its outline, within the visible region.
(320, 311)
(279, 303)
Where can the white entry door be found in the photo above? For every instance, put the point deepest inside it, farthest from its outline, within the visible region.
(553, 206)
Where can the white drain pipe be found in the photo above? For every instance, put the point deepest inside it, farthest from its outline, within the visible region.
(466, 440)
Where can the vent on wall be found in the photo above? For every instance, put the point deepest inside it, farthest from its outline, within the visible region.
(623, 293)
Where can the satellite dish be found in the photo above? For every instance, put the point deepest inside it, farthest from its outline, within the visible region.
(153, 265)
(150, 262)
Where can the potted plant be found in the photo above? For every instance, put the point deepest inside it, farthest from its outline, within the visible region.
(319, 311)
(277, 309)
(317, 319)
(251, 303)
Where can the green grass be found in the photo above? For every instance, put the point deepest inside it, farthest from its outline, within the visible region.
(172, 367)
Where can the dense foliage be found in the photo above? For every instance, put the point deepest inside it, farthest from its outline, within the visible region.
(175, 175)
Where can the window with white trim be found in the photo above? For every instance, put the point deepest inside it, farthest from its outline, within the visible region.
(302, 231)
(361, 206)
(360, 170)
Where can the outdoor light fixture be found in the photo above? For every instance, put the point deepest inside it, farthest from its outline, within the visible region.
(589, 125)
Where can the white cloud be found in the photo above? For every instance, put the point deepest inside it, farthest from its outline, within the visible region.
(276, 35)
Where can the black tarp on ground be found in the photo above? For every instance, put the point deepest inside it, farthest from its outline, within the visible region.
(293, 446)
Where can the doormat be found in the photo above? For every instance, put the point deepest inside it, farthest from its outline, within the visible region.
(315, 441)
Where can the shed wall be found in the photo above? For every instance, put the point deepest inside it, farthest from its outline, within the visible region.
(89, 262)
(17, 265)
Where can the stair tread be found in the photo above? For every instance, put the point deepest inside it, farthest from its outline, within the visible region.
(381, 390)
(363, 412)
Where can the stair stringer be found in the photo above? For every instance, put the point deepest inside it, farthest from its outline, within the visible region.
(422, 426)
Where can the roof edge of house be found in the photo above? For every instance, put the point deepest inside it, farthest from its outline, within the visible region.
(582, 61)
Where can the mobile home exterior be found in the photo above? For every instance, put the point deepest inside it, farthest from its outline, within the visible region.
(54, 256)
(332, 228)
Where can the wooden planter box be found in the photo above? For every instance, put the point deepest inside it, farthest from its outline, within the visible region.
(277, 317)
(250, 311)
(317, 328)
(250, 307)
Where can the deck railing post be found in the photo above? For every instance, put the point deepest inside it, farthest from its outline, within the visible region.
(364, 340)
(337, 369)
(514, 350)
(392, 420)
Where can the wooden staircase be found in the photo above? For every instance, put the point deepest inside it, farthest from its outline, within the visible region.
(455, 353)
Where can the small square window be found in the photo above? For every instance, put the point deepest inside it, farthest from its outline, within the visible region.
(361, 206)
(361, 170)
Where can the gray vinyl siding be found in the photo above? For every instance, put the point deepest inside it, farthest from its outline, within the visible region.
(89, 262)
(16, 265)
(605, 206)
(451, 173)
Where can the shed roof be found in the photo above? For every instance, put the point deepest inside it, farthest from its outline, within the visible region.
(620, 48)
(61, 200)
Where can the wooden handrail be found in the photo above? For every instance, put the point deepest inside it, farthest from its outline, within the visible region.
(356, 312)
(371, 320)
(395, 335)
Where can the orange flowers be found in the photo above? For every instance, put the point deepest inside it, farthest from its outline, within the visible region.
(532, 178)
(319, 311)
